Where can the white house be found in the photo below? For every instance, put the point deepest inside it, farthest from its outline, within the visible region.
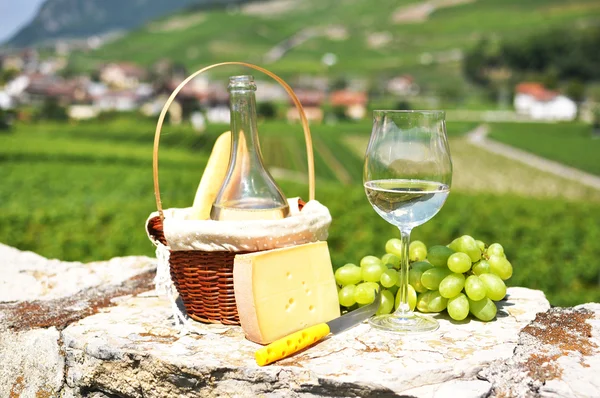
(122, 75)
(537, 102)
(82, 112)
(120, 101)
(17, 86)
(218, 114)
(6, 101)
(403, 85)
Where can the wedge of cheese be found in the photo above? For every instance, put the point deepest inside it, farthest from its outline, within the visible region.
(212, 178)
(281, 291)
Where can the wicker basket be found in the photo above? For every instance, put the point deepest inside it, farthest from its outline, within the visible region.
(204, 280)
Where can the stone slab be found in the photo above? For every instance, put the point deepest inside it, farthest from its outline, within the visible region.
(39, 298)
(134, 350)
(28, 276)
(99, 331)
(558, 355)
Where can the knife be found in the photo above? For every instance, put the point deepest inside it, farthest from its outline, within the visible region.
(297, 341)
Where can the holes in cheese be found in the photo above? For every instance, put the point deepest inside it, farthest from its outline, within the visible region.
(281, 291)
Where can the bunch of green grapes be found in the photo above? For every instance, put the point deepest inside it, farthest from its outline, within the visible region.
(463, 277)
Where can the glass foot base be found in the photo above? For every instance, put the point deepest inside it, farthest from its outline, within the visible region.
(405, 323)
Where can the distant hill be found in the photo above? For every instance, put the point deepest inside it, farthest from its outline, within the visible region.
(426, 38)
(82, 18)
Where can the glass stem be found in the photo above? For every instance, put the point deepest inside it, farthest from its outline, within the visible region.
(404, 309)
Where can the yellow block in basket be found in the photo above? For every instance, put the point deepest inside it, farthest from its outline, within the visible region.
(212, 179)
(284, 290)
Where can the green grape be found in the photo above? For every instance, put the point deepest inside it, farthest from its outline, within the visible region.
(414, 279)
(438, 255)
(389, 278)
(495, 289)
(484, 310)
(393, 289)
(421, 266)
(481, 267)
(417, 251)
(372, 272)
(386, 304)
(458, 307)
(453, 245)
(458, 244)
(423, 301)
(412, 298)
(470, 247)
(475, 288)
(437, 303)
(394, 246)
(372, 285)
(348, 274)
(452, 285)
(368, 260)
(500, 266)
(459, 262)
(481, 245)
(391, 260)
(495, 249)
(467, 245)
(417, 243)
(346, 296)
(432, 277)
(364, 293)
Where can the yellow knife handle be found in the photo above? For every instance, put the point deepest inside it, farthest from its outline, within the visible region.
(290, 344)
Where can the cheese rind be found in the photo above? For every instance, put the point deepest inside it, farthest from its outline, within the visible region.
(284, 290)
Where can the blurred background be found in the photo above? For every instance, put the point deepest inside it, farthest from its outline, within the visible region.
(82, 83)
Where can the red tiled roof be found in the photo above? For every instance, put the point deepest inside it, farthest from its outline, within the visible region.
(536, 90)
(348, 98)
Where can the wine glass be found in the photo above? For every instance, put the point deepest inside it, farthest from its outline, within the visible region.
(407, 177)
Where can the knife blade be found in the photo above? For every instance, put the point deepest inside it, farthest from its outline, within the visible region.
(297, 341)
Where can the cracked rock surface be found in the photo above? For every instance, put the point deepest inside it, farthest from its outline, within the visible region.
(133, 350)
(557, 356)
(116, 338)
(39, 298)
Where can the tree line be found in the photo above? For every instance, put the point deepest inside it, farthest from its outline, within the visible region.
(552, 57)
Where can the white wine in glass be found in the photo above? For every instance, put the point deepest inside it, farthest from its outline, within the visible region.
(407, 178)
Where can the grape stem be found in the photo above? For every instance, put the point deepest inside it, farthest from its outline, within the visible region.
(403, 310)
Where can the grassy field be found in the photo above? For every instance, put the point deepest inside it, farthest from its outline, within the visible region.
(83, 191)
(368, 41)
(571, 144)
(477, 171)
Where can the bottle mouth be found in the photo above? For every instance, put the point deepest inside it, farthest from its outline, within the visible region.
(242, 82)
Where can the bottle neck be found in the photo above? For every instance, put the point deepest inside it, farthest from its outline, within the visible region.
(244, 131)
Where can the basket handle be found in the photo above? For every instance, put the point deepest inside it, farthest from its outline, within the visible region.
(288, 89)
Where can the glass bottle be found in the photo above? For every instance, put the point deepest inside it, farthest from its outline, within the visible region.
(248, 191)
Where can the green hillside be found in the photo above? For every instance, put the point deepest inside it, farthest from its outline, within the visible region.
(82, 192)
(368, 38)
(570, 144)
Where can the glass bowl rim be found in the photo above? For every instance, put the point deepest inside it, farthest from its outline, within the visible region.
(424, 111)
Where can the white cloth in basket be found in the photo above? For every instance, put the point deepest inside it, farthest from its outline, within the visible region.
(309, 225)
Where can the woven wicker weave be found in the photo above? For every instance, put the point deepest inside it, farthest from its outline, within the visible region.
(204, 280)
